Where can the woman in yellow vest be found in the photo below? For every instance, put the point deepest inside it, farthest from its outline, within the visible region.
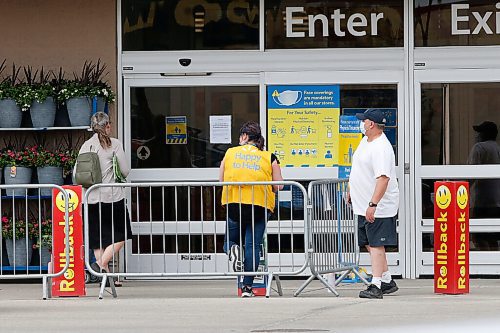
(248, 207)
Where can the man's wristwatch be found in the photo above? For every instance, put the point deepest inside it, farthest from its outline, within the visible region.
(372, 204)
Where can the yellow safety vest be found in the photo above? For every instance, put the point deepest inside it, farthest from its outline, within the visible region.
(248, 164)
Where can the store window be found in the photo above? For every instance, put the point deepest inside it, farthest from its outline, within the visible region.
(449, 114)
(157, 25)
(478, 241)
(484, 198)
(315, 125)
(155, 111)
(302, 24)
(456, 23)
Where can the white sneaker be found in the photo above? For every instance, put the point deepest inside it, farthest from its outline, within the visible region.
(235, 258)
(247, 292)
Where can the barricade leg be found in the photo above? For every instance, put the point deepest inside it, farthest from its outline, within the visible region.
(109, 279)
(278, 285)
(303, 286)
(269, 287)
(327, 285)
(45, 288)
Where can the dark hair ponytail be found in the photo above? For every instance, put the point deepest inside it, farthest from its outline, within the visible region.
(260, 143)
(252, 129)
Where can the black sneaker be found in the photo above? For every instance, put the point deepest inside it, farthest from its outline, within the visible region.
(235, 258)
(247, 292)
(371, 292)
(389, 288)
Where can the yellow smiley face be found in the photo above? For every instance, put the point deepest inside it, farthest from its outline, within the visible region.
(462, 197)
(443, 197)
(72, 204)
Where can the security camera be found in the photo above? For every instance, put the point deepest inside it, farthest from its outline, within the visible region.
(185, 62)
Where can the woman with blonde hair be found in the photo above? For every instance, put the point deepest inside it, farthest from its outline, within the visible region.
(108, 218)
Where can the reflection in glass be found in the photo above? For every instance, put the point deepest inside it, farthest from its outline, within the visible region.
(484, 198)
(434, 26)
(150, 106)
(356, 98)
(359, 23)
(158, 25)
(478, 241)
(448, 114)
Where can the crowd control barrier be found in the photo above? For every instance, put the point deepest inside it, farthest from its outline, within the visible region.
(26, 239)
(333, 246)
(178, 230)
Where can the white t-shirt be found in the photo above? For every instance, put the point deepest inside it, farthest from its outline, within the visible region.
(370, 161)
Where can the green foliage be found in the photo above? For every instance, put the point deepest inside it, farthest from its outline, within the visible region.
(16, 229)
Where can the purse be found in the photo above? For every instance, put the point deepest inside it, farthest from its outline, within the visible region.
(119, 178)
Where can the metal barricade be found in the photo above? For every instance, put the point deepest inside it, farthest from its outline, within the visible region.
(26, 212)
(333, 233)
(179, 230)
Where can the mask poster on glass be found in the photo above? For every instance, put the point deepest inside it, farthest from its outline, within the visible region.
(303, 129)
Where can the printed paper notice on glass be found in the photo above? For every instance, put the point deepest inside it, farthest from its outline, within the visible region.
(220, 129)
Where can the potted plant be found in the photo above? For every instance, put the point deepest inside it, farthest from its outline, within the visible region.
(43, 243)
(18, 235)
(11, 95)
(79, 92)
(18, 164)
(42, 92)
(50, 166)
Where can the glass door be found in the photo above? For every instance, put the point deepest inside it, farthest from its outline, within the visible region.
(167, 136)
(358, 90)
(455, 138)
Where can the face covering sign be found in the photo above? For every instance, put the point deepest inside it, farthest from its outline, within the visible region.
(303, 129)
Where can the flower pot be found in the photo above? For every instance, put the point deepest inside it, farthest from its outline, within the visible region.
(19, 252)
(21, 176)
(43, 114)
(49, 175)
(45, 256)
(79, 111)
(11, 115)
(100, 104)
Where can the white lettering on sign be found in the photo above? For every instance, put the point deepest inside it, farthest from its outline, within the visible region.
(356, 23)
(481, 20)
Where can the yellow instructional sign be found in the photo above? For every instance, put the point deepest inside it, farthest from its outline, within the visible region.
(303, 125)
(176, 128)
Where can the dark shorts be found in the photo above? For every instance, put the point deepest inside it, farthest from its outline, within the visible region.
(114, 226)
(382, 232)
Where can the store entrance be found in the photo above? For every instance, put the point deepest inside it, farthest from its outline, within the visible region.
(194, 155)
(358, 91)
(456, 139)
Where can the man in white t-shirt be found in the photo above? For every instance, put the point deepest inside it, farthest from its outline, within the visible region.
(374, 192)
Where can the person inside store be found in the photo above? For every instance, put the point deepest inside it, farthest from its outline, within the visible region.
(248, 207)
(374, 194)
(109, 222)
(485, 193)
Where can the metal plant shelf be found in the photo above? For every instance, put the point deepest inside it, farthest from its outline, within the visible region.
(24, 197)
(45, 128)
(24, 268)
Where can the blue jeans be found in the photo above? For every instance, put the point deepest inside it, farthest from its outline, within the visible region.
(252, 242)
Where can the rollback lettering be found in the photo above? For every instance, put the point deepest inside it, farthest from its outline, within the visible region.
(442, 252)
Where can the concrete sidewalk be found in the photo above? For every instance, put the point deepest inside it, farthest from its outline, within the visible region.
(211, 306)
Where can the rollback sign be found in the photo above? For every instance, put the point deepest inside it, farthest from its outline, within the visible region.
(451, 237)
(72, 282)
